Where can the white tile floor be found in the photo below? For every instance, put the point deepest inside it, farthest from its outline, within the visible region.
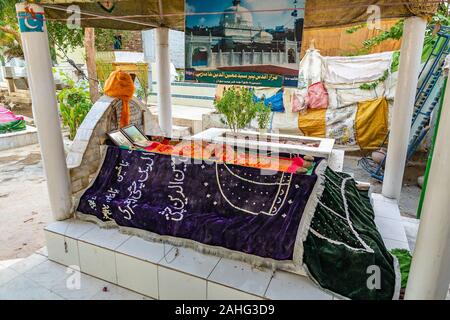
(389, 222)
(169, 272)
(36, 277)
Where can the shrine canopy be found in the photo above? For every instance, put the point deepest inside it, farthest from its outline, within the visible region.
(328, 14)
(148, 14)
(120, 14)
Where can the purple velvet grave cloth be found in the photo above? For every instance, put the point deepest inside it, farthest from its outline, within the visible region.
(216, 204)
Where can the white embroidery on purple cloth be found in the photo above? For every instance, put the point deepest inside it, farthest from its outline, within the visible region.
(178, 199)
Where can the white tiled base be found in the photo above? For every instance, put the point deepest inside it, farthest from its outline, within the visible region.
(137, 275)
(389, 222)
(242, 277)
(175, 285)
(219, 292)
(97, 261)
(162, 271)
(286, 286)
(66, 254)
(165, 272)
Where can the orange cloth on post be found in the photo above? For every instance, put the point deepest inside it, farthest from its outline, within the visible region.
(120, 85)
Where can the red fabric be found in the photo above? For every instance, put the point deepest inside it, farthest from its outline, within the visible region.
(297, 162)
(317, 96)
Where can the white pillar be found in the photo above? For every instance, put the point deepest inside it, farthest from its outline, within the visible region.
(408, 73)
(163, 79)
(429, 276)
(148, 37)
(45, 108)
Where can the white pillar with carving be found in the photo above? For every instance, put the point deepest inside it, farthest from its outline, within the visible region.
(402, 111)
(163, 80)
(45, 108)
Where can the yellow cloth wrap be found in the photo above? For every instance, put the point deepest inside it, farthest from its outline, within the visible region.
(312, 123)
(371, 124)
(120, 85)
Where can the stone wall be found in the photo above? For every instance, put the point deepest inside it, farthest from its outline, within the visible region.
(85, 154)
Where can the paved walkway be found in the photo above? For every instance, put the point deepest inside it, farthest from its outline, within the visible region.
(37, 278)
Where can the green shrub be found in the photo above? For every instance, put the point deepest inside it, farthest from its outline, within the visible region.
(74, 104)
(263, 115)
(237, 107)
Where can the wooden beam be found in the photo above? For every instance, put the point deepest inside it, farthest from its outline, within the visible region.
(89, 44)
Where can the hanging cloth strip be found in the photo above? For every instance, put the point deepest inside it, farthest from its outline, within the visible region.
(120, 85)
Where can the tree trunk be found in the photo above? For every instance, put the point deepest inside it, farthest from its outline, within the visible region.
(89, 44)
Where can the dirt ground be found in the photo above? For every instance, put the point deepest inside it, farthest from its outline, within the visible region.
(24, 205)
(25, 210)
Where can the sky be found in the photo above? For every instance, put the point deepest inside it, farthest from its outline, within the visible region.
(266, 20)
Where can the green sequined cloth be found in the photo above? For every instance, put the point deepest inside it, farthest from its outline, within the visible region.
(343, 252)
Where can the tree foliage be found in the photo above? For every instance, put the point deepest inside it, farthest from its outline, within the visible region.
(441, 18)
(10, 41)
(104, 38)
(396, 31)
(63, 37)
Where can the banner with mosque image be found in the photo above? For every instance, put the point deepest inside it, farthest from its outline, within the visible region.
(243, 42)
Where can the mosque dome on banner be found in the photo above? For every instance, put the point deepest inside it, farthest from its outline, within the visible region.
(237, 15)
(263, 37)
